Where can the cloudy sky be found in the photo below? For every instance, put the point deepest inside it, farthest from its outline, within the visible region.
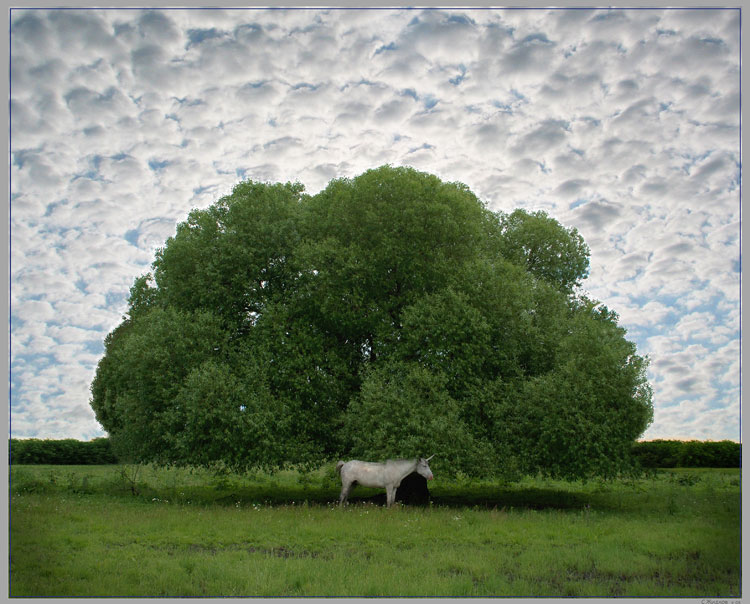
(621, 123)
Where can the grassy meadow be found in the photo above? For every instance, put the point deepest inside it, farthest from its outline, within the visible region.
(88, 531)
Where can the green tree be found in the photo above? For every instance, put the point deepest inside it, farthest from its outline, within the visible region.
(390, 314)
(545, 248)
(232, 258)
(146, 362)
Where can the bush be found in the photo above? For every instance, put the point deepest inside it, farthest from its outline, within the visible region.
(61, 452)
(688, 454)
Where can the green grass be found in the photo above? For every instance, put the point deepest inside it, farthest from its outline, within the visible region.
(81, 531)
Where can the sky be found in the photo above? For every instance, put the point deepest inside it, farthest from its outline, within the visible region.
(624, 124)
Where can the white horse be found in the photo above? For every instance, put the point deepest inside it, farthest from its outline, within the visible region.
(374, 474)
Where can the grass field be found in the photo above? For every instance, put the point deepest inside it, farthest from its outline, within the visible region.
(114, 531)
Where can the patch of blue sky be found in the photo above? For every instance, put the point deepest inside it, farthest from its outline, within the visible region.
(387, 47)
(54, 205)
(429, 101)
(88, 175)
(49, 227)
(410, 92)
(537, 37)
(196, 36)
(96, 161)
(220, 170)
(188, 102)
(665, 106)
(718, 42)
(131, 236)
(718, 402)
(16, 386)
(591, 121)
(609, 15)
(252, 27)
(509, 29)
(577, 203)
(15, 321)
(306, 86)
(638, 334)
(52, 394)
(460, 19)
(691, 160)
(122, 28)
(503, 107)
(675, 400)
(458, 79)
(37, 360)
(256, 84)
(734, 184)
(20, 157)
(666, 322)
(157, 165)
(203, 189)
(115, 299)
(95, 347)
(314, 26)
(420, 148)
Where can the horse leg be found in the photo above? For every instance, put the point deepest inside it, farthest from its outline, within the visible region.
(345, 488)
(390, 492)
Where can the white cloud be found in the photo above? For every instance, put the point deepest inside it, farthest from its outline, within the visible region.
(622, 123)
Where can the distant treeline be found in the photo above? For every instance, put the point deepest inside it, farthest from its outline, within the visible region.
(69, 452)
(651, 454)
(688, 454)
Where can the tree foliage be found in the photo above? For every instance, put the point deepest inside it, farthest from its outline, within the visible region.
(391, 314)
(546, 248)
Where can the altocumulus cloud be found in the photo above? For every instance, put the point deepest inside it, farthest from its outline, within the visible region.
(621, 123)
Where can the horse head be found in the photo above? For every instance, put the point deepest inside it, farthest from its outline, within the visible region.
(423, 467)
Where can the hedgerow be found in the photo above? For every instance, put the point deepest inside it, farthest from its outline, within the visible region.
(650, 454)
(67, 451)
(688, 454)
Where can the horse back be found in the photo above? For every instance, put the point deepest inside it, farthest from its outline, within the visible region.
(365, 473)
(375, 474)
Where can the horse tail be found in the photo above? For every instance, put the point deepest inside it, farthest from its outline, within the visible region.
(339, 465)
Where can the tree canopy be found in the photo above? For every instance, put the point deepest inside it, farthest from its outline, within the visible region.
(392, 314)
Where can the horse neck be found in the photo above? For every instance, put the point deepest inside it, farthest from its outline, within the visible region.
(407, 466)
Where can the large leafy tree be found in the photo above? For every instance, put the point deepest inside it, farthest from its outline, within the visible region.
(391, 314)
